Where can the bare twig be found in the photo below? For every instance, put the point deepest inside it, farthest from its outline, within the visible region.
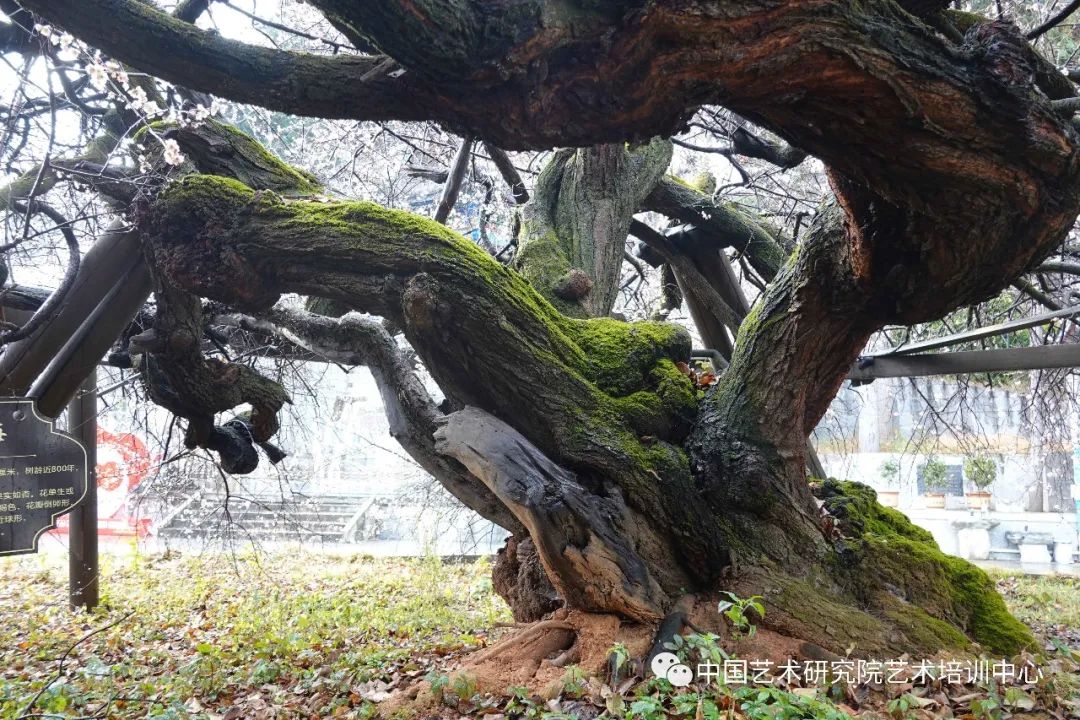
(63, 658)
(1054, 21)
(453, 181)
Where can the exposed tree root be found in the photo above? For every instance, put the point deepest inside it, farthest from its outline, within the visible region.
(519, 578)
(536, 657)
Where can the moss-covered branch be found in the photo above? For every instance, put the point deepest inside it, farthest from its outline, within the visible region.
(599, 396)
(177, 375)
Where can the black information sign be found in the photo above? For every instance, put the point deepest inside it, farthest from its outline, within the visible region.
(42, 475)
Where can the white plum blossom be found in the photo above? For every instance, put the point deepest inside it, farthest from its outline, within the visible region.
(99, 76)
(141, 103)
(44, 31)
(172, 154)
(138, 98)
(116, 72)
(69, 51)
(201, 113)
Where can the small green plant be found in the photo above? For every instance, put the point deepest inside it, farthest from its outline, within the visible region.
(698, 648)
(900, 707)
(981, 470)
(574, 682)
(935, 474)
(890, 473)
(707, 647)
(464, 686)
(618, 657)
(770, 703)
(647, 706)
(439, 682)
(735, 609)
(522, 704)
(989, 707)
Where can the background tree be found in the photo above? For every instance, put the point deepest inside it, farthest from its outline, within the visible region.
(948, 145)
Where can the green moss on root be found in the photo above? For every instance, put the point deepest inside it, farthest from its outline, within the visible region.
(899, 568)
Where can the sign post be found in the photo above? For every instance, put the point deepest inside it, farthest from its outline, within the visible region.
(82, 527)
(44, 473)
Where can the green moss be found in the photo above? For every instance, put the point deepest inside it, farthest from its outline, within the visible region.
(622, 356)
(676, 392)
(815, 610)
(962, 20)
(898, 567)
(543, 262)
(991, 623)
(856, 507)
(197, 199)
(214, 148)
(922, 629)
(269, 167)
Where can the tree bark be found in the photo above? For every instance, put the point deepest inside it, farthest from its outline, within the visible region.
(573, 231)
(584, 539)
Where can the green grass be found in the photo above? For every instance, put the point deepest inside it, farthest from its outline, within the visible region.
(292, 635)
(1042, 599)
(298, 635)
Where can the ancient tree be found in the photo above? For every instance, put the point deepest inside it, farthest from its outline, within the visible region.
(952, 155)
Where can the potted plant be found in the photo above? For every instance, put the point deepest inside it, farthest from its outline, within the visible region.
(935, 475)
(890, 473)
(981, 470)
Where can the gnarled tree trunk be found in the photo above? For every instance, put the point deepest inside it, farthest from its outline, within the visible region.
(953, 172)
(577, 427)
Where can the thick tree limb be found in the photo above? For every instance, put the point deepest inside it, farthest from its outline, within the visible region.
(450, 191)
(177, 375)
(509, 173)
(412, 414)
(1036, 294)
(694, 284)
(174, 50)
(581, 536)
(1059, 266)
(779, 154)
(515, 79)
(729, 225)
(23, 297)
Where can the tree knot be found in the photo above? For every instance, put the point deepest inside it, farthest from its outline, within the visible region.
(573, 285)
(419, 302)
